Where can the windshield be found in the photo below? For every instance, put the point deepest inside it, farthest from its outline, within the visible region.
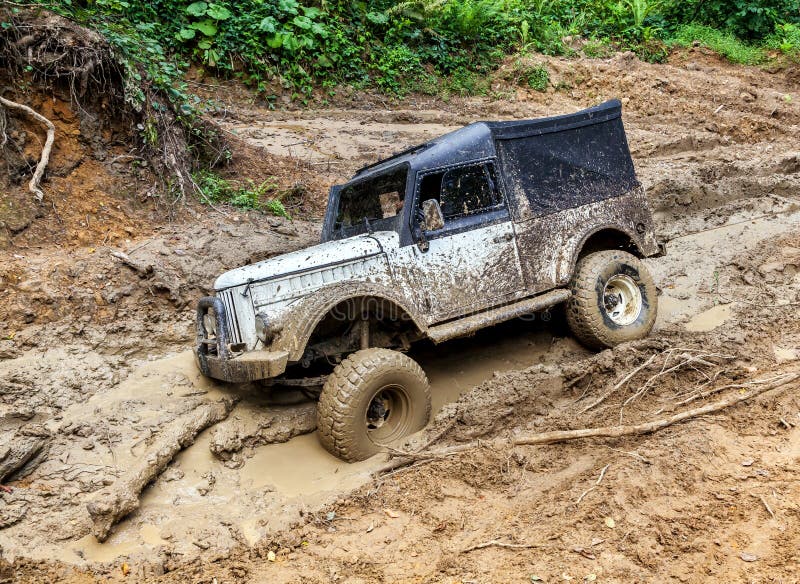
(374, 204)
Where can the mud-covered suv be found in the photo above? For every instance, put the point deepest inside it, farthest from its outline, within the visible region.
(493, 221)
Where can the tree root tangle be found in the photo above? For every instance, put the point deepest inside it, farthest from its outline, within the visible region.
(33, 186)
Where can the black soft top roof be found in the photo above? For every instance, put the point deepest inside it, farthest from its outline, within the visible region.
(476, 141)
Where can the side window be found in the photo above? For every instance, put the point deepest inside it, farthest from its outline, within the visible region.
(462, 191)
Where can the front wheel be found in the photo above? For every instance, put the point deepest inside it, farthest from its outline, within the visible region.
(613, 299)
(373, 398)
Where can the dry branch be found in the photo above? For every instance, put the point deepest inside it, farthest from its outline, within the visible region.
(116, 501)
(501, 544)
(757, 388)
(654, 426)
(33, 186)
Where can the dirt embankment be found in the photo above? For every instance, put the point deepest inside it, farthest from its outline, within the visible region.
(713, 499)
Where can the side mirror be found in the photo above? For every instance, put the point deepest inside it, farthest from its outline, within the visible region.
(432, 217)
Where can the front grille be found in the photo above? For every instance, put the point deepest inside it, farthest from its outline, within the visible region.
(233, 321)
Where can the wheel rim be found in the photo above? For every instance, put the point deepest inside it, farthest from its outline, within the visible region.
(387, 416)
(622, 300)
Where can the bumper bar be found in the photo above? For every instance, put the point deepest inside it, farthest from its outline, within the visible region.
(248, 366)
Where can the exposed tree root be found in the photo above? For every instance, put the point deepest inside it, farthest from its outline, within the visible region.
(24, 446)
(113, 503)
(756, 388)
(33, 186)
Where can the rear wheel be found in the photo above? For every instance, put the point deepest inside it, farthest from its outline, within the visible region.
(375, 397)
(613, 299)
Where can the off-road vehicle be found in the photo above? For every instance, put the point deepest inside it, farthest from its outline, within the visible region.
(493, 221)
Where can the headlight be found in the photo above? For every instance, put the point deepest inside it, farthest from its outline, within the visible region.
(262, 327)
(210, 323)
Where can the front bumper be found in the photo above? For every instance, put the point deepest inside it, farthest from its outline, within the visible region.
(215, 358)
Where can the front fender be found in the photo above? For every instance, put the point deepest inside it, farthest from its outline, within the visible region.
(302, 317)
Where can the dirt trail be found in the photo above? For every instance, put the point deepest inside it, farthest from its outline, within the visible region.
(723, 182)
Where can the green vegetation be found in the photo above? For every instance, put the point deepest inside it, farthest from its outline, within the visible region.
(724, 43)
(443, 46)
(214, 189)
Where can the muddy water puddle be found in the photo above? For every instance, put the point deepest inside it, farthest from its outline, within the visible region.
(198, 500)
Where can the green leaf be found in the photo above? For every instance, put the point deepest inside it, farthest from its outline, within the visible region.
(197, 8)
(207, 27)
(269, 24)
(185, 34)
(311, 11)
(275, 41)
(302, 22)
(324, 61)
(291, 43)
(218, 12)
(204, 44)
(378, 17)
(288, 6)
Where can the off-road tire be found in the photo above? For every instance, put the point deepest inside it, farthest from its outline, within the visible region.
(349, 391)
(587, 316)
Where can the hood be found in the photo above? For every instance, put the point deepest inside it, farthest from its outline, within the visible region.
(310, 259)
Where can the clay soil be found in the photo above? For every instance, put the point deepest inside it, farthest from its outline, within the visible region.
(96, 355)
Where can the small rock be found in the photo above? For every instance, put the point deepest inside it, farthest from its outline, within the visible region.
(287, 230)
(8, 350)
(173, 474)
(748, 557)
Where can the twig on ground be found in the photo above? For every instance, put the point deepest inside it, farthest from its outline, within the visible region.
(141, 268)
(619, 384)
(714, 390)
(635, 455)
(593, 487)
(500, 544)
(688, 359)
(33, 186)
(766, 505)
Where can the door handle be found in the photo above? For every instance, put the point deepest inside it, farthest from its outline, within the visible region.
(502, 238)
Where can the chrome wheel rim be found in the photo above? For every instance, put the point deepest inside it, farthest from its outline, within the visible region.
(622, 300)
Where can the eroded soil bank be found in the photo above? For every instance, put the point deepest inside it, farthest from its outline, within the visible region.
(98, 362)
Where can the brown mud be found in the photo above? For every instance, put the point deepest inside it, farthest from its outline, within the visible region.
(95, 351)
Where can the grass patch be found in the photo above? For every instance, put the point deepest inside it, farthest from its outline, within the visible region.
(537, 78)
(724, 43)
(216, 190)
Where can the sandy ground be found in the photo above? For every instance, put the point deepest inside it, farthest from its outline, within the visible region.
(96, 355)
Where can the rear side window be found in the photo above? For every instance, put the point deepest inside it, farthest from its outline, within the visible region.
(463, 191)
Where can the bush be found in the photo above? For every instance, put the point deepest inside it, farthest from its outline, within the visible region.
(786, 38)
(537, 78)
(750, 20)
(297, 45)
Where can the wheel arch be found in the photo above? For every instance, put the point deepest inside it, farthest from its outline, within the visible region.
(597, 239)
(314, 309)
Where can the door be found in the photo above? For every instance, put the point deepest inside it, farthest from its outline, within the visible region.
(472, 262)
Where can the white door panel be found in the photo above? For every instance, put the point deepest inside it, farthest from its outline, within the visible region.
(460, 273)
